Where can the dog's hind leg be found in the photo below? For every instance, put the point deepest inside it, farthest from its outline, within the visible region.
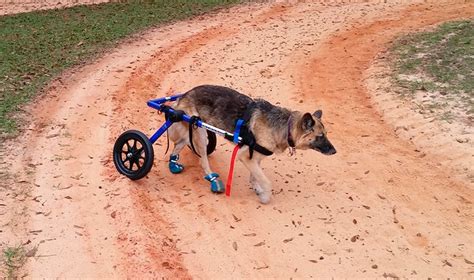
(179, 136)
(200, 142)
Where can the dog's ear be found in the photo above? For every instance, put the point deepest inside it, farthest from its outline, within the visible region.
(307, 122)
(318, 114)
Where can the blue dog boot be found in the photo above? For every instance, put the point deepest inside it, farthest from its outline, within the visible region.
(174, 166)
(217, 186)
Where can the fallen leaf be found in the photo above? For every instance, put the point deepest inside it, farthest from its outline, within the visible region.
(446, 262)
(354, 238)
(234, 245)
(32, 252)
(468, 261)
(390, 275)
(262, 267)
(236, 219)
(52, 135)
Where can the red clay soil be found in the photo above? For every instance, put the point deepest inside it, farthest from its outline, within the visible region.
(375, 209)
(22, 6)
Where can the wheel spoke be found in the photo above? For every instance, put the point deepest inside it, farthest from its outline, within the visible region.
(128, 146)
(138, 163)
(138, 152)
(134, 144)
(124, 161)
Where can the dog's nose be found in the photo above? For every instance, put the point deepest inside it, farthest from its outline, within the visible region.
(332, 151)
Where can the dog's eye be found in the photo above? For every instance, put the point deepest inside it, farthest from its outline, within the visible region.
(319, 138)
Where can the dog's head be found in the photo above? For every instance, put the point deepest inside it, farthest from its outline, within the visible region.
(310, 134)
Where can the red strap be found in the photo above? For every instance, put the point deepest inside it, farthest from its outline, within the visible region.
(231, 170)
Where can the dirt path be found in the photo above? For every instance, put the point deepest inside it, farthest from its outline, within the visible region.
(376, 209)
(21, 6)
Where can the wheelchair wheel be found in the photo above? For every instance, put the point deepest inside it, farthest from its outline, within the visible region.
(211, 145)
(133, 154)
(212, 142)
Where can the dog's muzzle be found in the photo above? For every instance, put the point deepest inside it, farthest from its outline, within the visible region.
(325, 147)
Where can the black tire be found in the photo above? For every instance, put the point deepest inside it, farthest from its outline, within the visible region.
(211, 145)
(133, 154)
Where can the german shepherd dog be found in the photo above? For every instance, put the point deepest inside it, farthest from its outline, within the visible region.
(274, 128)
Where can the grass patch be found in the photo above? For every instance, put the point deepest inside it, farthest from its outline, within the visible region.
(440, 65)
(35, 47)
(13, 258)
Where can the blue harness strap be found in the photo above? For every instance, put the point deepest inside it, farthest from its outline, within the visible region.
(238, 125)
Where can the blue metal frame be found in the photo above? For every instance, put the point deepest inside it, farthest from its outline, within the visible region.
(158, 104)
(160, 131)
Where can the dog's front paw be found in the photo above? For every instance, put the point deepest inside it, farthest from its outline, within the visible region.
(256, 187)
(265, 197)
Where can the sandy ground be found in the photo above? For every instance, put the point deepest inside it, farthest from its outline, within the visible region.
(22, 6)
(453, 142)
(381, 207)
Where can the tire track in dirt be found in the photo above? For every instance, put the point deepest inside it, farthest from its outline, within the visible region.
(340, 64)
(350, 182)
(372, 212)
(85, 214)
(143, 84)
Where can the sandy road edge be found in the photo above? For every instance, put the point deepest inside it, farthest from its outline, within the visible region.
(48, 111)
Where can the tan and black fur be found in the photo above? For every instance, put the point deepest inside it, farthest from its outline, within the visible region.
(271, 125)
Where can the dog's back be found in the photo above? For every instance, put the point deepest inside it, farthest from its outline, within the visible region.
(216, 105)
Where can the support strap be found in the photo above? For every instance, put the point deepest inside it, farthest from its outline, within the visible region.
(247, 136)
(231, 170)
(192, 123)
(167, 142)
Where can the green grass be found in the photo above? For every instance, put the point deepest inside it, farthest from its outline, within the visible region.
(440, 62)
(13, 258)
(35, 47)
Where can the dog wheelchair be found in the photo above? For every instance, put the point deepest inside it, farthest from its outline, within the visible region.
(133, 153)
